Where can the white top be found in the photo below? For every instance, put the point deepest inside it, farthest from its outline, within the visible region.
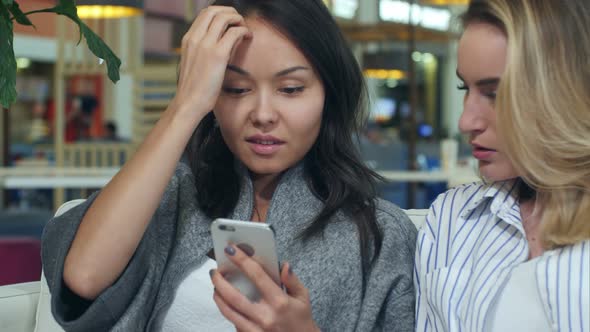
(519, 306)
(193, 308)
(471, 240)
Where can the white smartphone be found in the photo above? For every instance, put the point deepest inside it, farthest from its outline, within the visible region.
(255, 239)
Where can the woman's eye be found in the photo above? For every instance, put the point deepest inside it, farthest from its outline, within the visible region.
(491, 95)
(234, 91)
(292, 90)
(462, 86)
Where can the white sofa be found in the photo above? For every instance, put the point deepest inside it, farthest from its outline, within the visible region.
(26, 307)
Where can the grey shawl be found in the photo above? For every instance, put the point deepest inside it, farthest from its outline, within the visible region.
(178, 239)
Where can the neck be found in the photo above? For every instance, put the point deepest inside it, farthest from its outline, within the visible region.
(531, 222)
(526, 192)
(265, 185)
(264, 188)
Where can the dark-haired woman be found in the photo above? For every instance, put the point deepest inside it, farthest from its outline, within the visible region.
(261, 128)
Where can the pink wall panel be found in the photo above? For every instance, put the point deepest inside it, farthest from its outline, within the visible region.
(174, 8)
(157, 35)
(200, 4)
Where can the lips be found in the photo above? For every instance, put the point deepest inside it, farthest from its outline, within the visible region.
(264, 145)
(481, 152)
(263, 142)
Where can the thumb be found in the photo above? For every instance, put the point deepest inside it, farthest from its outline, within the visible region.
(292, 284)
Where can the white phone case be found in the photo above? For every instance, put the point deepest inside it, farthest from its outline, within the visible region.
(255, 237)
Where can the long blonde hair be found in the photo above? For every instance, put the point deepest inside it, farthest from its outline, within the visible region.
(543, 106)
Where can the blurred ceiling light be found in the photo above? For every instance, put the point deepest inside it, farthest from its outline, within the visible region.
(391, 83)
(428, 57)
(109, 8)
(416, 56)
(23, 63)
(385, 74)
(344, 8)
(426, 17)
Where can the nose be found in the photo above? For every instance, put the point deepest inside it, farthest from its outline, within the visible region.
(264, 115)
(472, 120)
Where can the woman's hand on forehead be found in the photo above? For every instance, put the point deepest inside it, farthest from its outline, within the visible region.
(206, 49)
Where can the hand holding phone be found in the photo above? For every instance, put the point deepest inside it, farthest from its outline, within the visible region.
(256, 240)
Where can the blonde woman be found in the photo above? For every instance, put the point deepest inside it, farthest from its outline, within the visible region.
(513, 253)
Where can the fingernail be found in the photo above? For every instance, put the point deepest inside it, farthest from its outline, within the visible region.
(230, 250)
(290, 269)
(211, 272)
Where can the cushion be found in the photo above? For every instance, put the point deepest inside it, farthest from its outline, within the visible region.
(45, 320)
(17, 307)
(417, 216)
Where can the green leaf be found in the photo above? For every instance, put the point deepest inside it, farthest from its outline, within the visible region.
(68, 8)
(8, 63)
(96, 45)
(4, 12)
(19, 15)
(101, 50)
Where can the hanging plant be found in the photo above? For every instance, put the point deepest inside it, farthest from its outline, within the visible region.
(10, 11)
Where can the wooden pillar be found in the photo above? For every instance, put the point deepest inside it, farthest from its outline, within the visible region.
(59, 96)
(412, 135)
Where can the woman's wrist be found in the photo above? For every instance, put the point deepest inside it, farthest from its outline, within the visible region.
(185, 114)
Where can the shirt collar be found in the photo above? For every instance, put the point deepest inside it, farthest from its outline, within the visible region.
(502, 194)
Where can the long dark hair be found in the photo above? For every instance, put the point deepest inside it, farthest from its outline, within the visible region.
(333, 168)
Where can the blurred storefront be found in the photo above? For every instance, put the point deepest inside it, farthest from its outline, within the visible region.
(406, 51)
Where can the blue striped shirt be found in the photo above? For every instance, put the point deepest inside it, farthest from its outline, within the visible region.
(472, 238)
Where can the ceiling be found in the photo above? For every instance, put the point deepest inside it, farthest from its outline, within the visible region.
(386, 31)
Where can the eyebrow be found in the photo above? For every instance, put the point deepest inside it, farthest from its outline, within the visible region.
(284, 72)
(482, 82)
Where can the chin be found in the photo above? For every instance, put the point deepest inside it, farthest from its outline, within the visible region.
(266, 167)
(493, 172)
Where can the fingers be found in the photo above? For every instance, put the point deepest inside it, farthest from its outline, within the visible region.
(293, 285)
(232, 38)
(254, 313)
(206, 50)
(211, 36)
(232, 295)
(259, 277)
(217, 29)
(220, 25)
(200, 26)
(241, 322)
(276, 312)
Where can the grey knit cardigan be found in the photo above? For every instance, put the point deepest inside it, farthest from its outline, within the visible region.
(178, 239)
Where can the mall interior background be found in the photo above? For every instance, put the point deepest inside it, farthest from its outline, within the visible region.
(71, 128)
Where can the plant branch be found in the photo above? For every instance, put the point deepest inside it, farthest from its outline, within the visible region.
(46, 10)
